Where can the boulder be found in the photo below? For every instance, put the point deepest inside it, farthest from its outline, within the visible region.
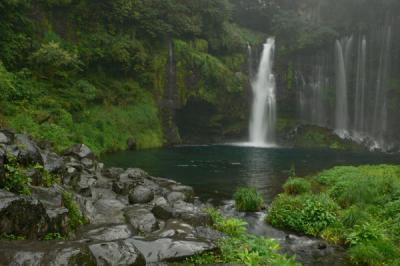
(123, 187)
(53, 163)
(109, 233)
(191, 214)
(71, 256)
(131, 144)
(141, 219)
(83, 184)
(176, 196)
(6, 136)
(58, 220)
(163, 211)
(80, 151)
(102, 211)
(134, 173)
(29, 152)
(22, 216)
(113, 172)
(168, 249)
(141, 194)
(50, 197)
(117, 254)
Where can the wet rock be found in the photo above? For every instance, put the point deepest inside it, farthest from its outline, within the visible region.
(131, 144)
(109, 233)
(117, 253)
(142, 220)
(58, 220)
(205, 232)
(29, 152)
(83, 184)
(134, 173)
(141, 194)
(188, 191)
(123, 188)
(191, 214)
(50, 197)
(113, 172)
(22, 216)
(6, 136)
(176, 196)
(164, 249)
(52, 162)
(162, 211)
(30, 258)
(80, 151)
(71, 256)
(108, 211)
(4, 139)
(177, 229)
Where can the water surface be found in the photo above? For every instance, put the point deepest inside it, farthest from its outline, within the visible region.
(216, 171)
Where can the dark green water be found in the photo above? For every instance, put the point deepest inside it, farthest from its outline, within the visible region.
(216, 171)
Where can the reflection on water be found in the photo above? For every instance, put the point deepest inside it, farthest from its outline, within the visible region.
(216, 171)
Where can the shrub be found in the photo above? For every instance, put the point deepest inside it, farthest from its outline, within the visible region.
(229, 226)
(248, 199)
(379, 252)
(364, 233)
(354, 216)
(75, 215)
(296, 186)
(307, 213)
(15, 179)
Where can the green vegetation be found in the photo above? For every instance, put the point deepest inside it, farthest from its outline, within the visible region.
(358, 207)
(296, 186)
(248, 199)
(240, 247)
(15, 178)
(75, 216)
(11, 237)
(53, 236)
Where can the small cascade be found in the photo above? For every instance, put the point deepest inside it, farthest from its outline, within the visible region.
(250, 60)
(360, 100)
(263, 115)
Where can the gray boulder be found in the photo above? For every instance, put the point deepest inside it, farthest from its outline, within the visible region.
(141, 194)
(141, 219)
(6, 136)
(176, 196)
(22, 216)
(29, 152)
(52, 162)
(109, 233)
(117, 254)
(113, 172)
(164, 249)
(80, 151)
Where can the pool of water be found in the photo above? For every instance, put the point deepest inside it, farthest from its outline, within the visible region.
(215, 171)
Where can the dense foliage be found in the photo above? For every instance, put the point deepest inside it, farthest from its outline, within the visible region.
(240, 247)
(248, 199)
(353, 206)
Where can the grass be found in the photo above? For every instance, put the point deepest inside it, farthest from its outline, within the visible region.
(240, 247)
(358, 207)
(248, 199)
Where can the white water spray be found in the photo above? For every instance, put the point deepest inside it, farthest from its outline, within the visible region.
(263, 116)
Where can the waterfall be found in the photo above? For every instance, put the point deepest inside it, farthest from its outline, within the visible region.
(359, 111)
(263, 116)
(379, 124)
(341, 119)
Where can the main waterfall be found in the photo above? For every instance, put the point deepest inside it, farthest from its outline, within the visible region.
(263, 115)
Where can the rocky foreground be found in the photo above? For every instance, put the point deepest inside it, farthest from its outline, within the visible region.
(132, 218)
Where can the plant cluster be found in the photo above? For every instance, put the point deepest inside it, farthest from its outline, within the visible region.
(75, 216)
(240, 247)
(354, 206)
(248, 199)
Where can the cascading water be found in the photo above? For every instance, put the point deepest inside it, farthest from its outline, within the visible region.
(379, 124)
(359, 111)
(263, 115)
(341, 118)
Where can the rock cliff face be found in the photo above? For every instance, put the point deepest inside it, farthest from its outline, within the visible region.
(132, 218)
